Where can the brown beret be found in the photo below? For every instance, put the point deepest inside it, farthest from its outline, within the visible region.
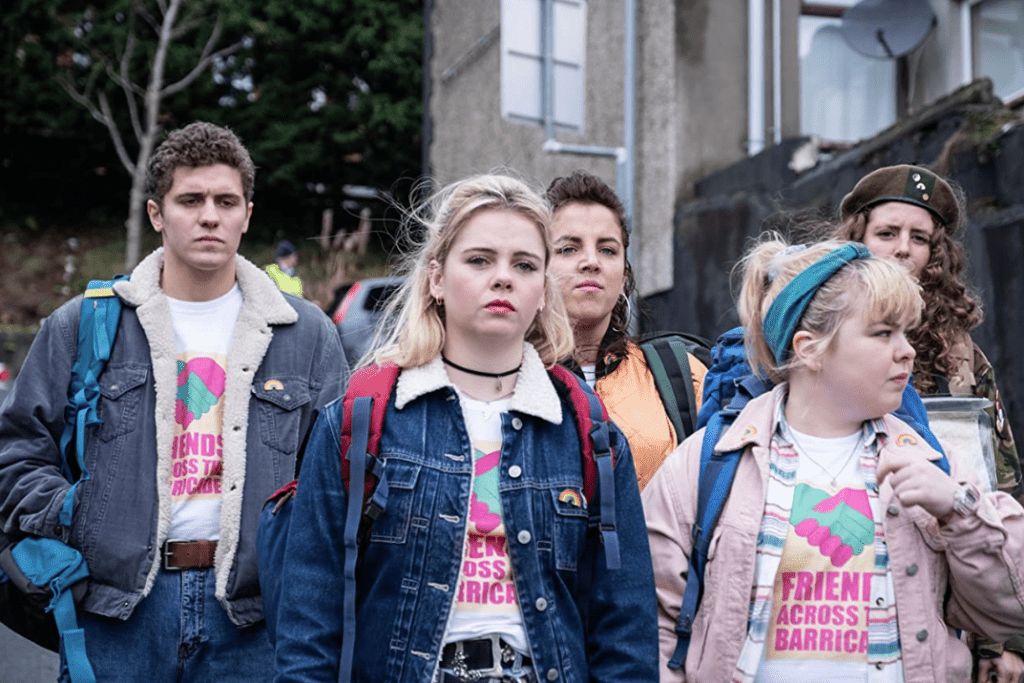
(904, 183)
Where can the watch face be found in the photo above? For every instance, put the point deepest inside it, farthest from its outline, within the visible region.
(966, 499)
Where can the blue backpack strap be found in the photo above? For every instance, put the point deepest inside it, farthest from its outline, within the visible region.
(362, 408)
(49, 562)
(97, 330)
(717, 471)
(601, 440)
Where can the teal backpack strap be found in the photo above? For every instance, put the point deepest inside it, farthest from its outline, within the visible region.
(669, 362)
(97, 329)
(47, 563)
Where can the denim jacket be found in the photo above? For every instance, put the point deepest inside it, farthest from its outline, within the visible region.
(583, 621)
(122, 513)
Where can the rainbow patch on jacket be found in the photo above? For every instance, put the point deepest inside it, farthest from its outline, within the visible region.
(572, 497)
(906, 440)
(273, 385)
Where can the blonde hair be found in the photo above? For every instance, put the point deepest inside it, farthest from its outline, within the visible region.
(412, 330)
(886, 290)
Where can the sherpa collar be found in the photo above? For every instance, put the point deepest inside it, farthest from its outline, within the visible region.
(144, 285)
(534, 393)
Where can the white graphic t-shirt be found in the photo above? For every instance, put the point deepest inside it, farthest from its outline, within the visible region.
(202, 338)
(486, 602)
(823, 587)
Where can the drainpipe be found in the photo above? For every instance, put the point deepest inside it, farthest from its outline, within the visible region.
(547, 93)
(755, 76)
(777, 71)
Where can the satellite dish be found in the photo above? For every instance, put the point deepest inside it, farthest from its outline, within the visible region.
(886, 29)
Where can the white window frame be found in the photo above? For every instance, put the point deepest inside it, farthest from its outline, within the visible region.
(566, 62)
(843, 5)
(967, 46)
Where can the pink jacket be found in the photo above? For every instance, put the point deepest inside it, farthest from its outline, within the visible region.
(981, 556)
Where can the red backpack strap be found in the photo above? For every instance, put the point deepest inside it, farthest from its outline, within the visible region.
(598, 458)
(376, 382)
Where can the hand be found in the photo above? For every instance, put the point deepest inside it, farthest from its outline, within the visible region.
(917, 481)
(1007, 668)
(840, 525)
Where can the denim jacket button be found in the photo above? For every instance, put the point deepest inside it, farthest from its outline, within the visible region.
(517, 424)
(552, 674)
(515, 471)
(541, 604)
(893, 510)
(922, 635)
(911, 570)
(524, 537)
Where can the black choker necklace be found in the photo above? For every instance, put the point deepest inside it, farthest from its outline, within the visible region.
(481, 373)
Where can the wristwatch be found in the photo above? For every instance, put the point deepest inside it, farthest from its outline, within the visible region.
(965, 501)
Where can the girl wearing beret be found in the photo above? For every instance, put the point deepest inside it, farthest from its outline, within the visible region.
(909, 214)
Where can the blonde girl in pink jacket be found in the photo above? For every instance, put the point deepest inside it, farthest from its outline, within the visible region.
(843, 552)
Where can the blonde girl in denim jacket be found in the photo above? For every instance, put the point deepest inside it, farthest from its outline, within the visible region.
(482, 567)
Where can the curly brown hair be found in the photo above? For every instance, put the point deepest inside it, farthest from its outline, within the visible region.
(197, 144)
(951, 309)
(584, 188)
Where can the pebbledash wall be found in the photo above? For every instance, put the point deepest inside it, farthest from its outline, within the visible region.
(968, 136)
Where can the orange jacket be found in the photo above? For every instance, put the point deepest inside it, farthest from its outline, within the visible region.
(634, 405)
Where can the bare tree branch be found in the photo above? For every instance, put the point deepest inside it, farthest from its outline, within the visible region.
(185, 26)
(140, 9)
(162, 5)
(130, 89)
(104, 116)
(204, 61)
(115, 134)
(193, 17)
(81, 98)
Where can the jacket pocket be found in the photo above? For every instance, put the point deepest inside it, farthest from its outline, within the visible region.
(393, 524)
(278, 403)
(570, 534)
(121, 391)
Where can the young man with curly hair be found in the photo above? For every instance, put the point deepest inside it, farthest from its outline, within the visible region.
(213, 378)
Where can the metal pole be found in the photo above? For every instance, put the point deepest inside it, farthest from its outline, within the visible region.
(548, 86)
(629, 116)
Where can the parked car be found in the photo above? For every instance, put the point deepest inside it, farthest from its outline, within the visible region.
(359, 310)
(6, 380)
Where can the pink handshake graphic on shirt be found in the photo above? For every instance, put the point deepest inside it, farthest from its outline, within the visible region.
(840, 525)
(200, 385)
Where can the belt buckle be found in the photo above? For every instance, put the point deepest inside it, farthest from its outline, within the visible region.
(461, 669)
(165, 556)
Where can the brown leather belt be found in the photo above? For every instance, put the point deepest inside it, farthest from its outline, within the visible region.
(188, 554)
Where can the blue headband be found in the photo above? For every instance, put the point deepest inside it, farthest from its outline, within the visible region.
(789, 306)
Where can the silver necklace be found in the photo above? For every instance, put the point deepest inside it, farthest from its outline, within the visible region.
(834, 485)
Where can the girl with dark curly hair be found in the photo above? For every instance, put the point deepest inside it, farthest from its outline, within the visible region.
(590, 267)
(909, 214)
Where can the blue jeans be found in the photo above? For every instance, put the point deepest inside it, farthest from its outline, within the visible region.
(179, 632)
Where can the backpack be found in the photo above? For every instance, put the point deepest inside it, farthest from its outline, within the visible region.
(668, 360)
(728, 386)
(40, 578)
(363, 408)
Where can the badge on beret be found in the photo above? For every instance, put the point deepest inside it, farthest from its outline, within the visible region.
(920, 185)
